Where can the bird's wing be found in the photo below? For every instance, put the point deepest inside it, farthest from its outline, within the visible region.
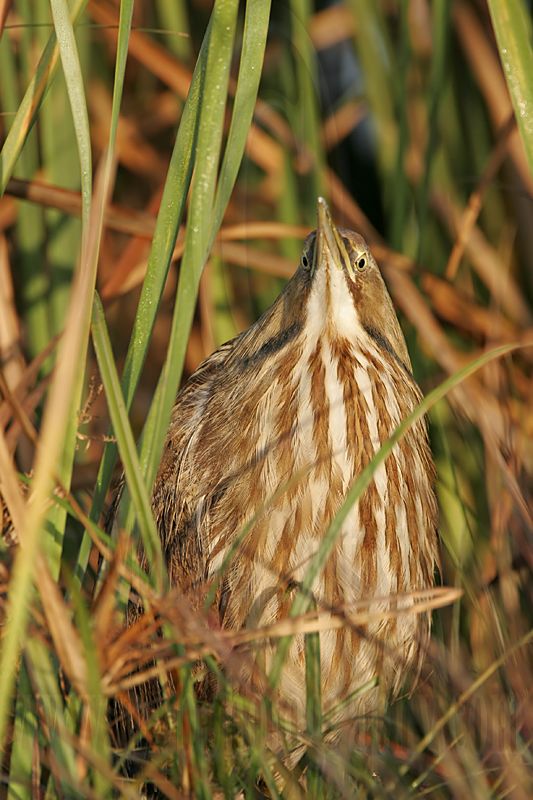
(181, 512)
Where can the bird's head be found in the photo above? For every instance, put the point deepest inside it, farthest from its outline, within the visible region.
(344, 287)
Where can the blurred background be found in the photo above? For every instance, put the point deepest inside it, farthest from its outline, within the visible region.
(399, 113)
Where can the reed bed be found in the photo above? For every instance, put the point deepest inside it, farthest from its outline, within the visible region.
(159, 168)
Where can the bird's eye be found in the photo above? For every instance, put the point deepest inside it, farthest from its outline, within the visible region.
(306, 260)
(361, 262)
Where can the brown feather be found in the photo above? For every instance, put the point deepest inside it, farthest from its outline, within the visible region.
(302, 400)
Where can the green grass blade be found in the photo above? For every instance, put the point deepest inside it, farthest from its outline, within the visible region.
(126, 445)
(205, 212)
(253, 50)
(124, 28)
(96, 699)
(173, 16)
(44, 677)
(31, 101)
(74, 80)
(313, 710)
(514, 33)
(400, 198)
(375, 52)
(25, 731)
(313, 684)
(166, 230)
(199, 765)
(78, 105)
(198, 227)
(59, 156)
(439, 73)
(30, 233)
(308, 95)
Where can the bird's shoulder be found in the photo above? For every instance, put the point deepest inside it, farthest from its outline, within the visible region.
(199, 387)
(188, 413)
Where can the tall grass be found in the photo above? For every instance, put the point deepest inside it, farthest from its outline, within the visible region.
(194, 139)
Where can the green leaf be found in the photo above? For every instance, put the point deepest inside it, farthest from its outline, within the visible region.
(96, 700)
(29, 106)
(78, 106)
(313, 710)
(124, 28)
(514, 34)
(74, 80)
(308, 109)
(206, 208)
(253, 51)
(166, 230)
(25, 731)
(126, 445)
(43, 672)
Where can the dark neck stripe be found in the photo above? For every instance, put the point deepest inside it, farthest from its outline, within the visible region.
(271, 346)
(384, 344)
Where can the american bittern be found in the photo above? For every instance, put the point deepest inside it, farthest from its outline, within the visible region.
(304, 399)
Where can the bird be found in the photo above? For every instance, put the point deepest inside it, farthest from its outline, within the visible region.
(266, 437)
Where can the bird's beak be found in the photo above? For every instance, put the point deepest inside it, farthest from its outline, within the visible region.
(329, 248)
